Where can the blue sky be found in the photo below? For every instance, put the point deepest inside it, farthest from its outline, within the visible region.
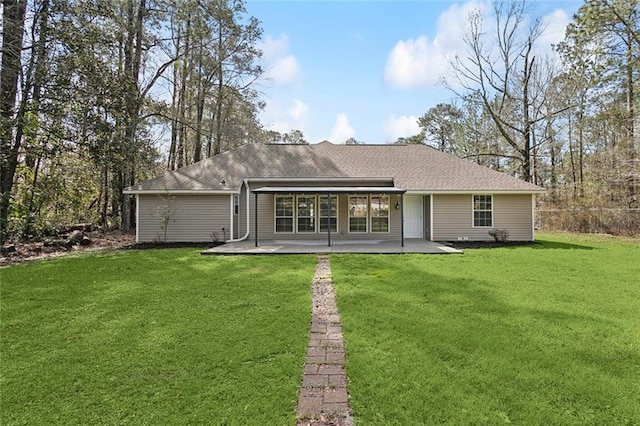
(366, 69)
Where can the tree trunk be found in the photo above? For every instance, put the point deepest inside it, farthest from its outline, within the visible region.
(13, 28)
(133, 59)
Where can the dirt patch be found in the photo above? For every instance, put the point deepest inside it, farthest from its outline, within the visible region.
(27, 251)
(13, 253)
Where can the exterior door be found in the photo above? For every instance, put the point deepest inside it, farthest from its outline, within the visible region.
(413, 216)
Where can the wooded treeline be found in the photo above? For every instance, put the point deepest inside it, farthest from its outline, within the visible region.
(98, 95)
(570, 124)
(89, 88)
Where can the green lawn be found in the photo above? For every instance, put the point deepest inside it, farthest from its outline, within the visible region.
(547, 334)
(154, 337)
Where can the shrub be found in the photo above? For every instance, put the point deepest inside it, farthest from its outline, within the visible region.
(500, 235)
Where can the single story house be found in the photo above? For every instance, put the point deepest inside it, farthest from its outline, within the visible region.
(327, 191)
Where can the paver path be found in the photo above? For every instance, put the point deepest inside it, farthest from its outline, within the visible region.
(323, 398)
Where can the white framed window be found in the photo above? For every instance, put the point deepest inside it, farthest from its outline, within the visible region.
(379, 213)
(358, 213)
(284, 209)
(327, 215)
(306, 213)
(483, 211)
(236, 204)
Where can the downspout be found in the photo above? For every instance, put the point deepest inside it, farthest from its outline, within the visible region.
(246, 235)
(137, 218)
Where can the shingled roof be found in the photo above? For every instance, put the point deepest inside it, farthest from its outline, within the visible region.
(412, 167)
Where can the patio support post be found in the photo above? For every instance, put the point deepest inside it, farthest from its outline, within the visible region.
(402, 219)
(255, 208)
(329, 221)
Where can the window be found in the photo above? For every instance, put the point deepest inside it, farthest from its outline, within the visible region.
(325, 214)
(236, 204)
(306, 213)
(284, 213)
(483, 211)
(358, 213)
(379, 213)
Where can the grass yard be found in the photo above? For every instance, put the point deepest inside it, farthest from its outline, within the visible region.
(547, 334)
(154, 337)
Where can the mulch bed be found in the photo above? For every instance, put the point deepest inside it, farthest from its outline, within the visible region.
(464, 245)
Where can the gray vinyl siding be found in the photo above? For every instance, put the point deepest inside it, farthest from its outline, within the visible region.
(194, 218)
(514, 213)
(453, 217)
(266, 222)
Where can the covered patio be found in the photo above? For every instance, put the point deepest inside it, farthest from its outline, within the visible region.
(338, 246)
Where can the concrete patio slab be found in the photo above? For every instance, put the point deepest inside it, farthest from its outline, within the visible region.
(340, 246)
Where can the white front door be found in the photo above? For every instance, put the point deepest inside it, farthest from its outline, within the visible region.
(413, 216)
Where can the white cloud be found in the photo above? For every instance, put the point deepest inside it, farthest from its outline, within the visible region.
(287, 117)
(281, 67)
(555, 26)
(342, 130)
(401, 127)
(299, 111)
(421, 62)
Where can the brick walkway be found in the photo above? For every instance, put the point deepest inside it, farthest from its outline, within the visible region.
(323, 398)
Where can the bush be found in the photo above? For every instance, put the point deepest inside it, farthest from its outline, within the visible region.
(500, 235)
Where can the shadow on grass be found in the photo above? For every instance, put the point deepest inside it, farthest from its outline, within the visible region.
(545, 244)
(462, 332)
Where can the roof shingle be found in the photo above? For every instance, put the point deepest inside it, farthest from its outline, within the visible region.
(413, 167)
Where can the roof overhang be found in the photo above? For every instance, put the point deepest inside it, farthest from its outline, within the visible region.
(479, 191)
(179, 192)
(328, 190)
(368, 179)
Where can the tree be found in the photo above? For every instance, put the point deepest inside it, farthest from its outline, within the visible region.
(605, 36)
(410, 140)
(353, 141)
(214, 103)
(13, 21)
(440, 125)
(294, 137)
(505, 78)
(601, 51)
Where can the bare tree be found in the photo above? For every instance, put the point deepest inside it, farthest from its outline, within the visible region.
(502, 70)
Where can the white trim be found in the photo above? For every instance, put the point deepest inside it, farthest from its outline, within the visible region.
(231, 215)
(328, 189)
(349, 231)
(275, 217)
(431, 217)
(320, 179)
(337, 212)
(375, 189)
(178, 192)
(473, 210)
(533, 217)
(236, 197)
(314, 217)
(371, 231)
(137, 218)
(479, 192)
